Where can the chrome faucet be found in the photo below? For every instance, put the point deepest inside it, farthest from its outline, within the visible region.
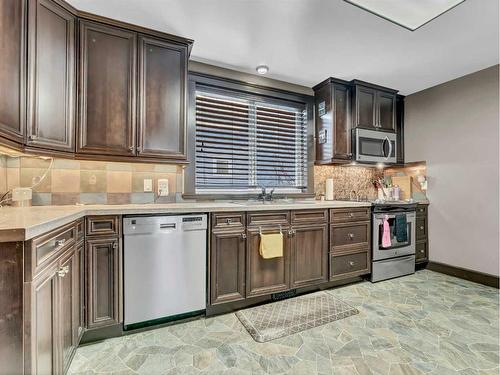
(264, 195)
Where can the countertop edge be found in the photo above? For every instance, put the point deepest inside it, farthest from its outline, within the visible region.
(29, 231)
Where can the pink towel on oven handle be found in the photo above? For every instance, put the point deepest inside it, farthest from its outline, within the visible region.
(386, 235)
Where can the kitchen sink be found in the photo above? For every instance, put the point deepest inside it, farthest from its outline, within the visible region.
(273, 202)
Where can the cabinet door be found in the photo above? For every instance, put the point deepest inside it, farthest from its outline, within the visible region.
(227, 273)
(107, 72)
(68, 302)
(162, 98)
(265, 276)
(400, 131)
(44, 350)
(12, 69)
(366, 99)
(80, 254)
(103, 278)
(386, 111)
(309, 255)
(51, 104)
(324, 123)
(342, 122)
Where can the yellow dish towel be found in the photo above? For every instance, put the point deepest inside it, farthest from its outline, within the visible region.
(271, 245)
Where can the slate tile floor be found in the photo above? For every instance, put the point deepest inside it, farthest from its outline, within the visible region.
(427, 323)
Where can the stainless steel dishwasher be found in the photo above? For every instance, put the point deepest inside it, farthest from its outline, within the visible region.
(164, 267)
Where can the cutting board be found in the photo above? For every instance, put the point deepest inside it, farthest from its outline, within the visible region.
(404, 183)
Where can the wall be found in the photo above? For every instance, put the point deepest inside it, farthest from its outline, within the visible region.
(346, 179)
(455, 128)
(91, 182)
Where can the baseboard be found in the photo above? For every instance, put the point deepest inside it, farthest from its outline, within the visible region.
(463, 273)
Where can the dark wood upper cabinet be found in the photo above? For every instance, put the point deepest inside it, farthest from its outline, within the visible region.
(400, 129)
(107, 71)
(386, 106)
(333, 121)
(51, 77)
(12, 69)
(366, 111)
(309, 255)
(374, 106)
(162, 97)
(227, 266)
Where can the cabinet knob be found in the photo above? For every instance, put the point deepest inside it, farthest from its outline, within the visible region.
(351, 235)
(61, 242)
(63, 271)
(422, 251)
(351, 263)
(243, 236)
(115, 245)
(229, 221)
(421, 228)
(131, 148)
(351, 214)
(290, 233)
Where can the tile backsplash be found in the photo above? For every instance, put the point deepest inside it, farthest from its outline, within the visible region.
(88, 182)
(347, 179)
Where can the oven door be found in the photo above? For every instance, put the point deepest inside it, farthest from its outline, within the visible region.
(396, 249)
(375, 146)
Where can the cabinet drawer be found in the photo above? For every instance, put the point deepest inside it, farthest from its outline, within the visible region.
(103, 225)
(421, 251)
(233, 220)
(343, 215)
(80, 229)
(344, 237)
(268, 218)
(421, 210)
(48, 246)
(309, 216)
(421, 230)
(349, 265)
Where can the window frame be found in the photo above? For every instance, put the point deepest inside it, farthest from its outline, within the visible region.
(260, 93)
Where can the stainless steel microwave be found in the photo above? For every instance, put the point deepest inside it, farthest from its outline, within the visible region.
(374, 146)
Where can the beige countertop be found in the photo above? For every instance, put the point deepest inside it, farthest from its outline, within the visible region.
(24, 223)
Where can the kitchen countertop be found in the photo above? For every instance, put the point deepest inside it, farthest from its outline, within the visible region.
(24, 223)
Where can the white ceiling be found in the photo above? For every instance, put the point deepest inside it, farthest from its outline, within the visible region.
(306, 41)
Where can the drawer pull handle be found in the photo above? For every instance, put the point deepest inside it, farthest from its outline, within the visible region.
(61, 242)
(351, 235)
(351, 263)
(229, 221)
(421, 228)
(351, 214)
(243, 236)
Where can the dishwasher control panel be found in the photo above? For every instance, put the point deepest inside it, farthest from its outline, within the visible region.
(193, 222)
(163, 223)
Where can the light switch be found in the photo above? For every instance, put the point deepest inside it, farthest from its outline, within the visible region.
(162, 187)
(148, 185)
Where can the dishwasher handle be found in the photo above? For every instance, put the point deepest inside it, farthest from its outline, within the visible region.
(168, 226)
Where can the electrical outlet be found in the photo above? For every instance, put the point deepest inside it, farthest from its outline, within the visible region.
(148, 185)
(162, 187)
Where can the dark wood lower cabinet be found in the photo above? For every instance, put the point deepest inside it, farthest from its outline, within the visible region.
(227, 262)
(422, 234)
(103, 282)
(43, 348)
(265, 276)
(80, 254)
(69, 306)
(309, 255)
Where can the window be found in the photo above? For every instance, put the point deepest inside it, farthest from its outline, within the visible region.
(245, 141)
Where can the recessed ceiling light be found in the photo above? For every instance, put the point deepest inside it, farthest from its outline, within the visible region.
(410, 14)
(262, 69)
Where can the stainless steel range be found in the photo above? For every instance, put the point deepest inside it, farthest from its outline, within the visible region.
(393, 252)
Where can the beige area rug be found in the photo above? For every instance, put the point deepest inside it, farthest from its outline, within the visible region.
(283, 318)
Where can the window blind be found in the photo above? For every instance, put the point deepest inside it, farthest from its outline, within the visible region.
(243, 143)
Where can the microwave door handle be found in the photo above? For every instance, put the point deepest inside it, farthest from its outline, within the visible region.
(390, 148)
(386, 139)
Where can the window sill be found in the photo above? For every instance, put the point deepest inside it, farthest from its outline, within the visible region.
(244, 196)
